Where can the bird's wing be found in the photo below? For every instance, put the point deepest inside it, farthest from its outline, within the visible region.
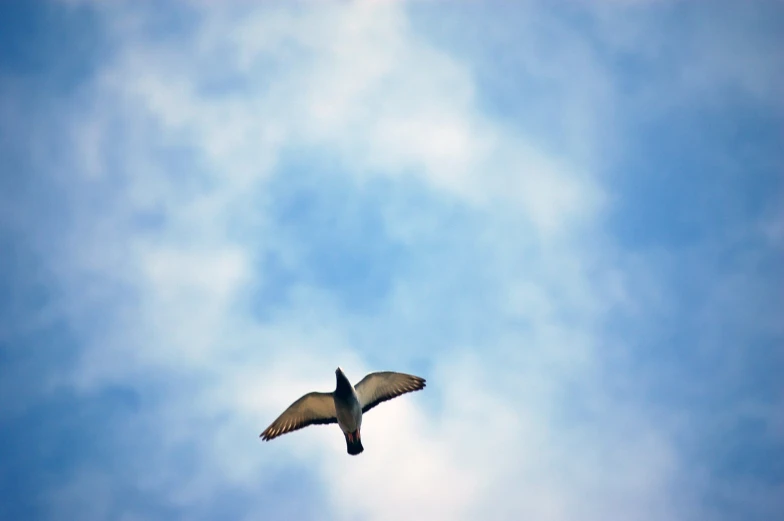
(380, 387)
(311, 409)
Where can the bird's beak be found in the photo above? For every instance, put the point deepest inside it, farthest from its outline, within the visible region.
(338, 370)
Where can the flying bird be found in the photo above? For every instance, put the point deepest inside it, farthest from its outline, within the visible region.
(344, 406)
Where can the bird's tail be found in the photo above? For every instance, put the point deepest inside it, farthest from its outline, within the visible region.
(354, 443)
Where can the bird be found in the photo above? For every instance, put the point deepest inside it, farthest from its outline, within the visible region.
(345, 405)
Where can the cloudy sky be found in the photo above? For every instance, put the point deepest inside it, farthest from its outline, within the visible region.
(567, 216)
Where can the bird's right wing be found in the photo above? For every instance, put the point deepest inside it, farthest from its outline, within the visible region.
(380, 387)
(311, 409)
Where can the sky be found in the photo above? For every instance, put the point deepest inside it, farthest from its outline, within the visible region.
(567, 216)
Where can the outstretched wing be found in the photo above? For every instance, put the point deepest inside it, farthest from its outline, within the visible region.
(311, 409)
(380, 387)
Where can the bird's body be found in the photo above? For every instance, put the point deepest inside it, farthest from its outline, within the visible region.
(348, 412)
(344, 406)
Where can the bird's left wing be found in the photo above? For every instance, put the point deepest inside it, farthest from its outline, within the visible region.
(380, 387)
(311, 409)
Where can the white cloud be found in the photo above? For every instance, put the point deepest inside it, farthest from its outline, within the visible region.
(366, 87)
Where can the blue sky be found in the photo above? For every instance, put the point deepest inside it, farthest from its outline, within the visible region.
(567, 217)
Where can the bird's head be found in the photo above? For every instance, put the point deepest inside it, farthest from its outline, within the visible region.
(342, 379)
